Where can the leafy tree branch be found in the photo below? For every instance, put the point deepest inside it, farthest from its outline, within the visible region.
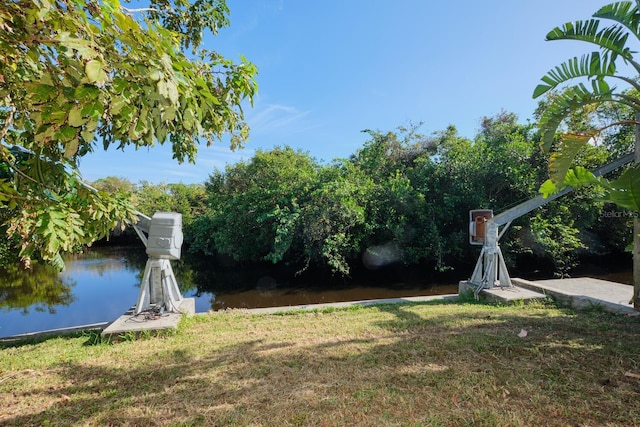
(76, 75)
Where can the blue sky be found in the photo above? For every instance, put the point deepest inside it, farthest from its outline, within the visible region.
(329, 69)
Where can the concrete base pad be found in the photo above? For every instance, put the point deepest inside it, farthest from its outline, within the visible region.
(506, 294)
(585, 292)
(149, 321)
(513, 293)
(579, 293)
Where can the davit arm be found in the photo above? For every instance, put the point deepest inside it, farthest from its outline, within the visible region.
(491, 269)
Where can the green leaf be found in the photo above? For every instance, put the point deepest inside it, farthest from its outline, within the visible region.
(169, 114)
(133, 133)
(572, 99)
(161, 134)
(172, 92)
(71, 148)
(590, 65)
(612, 39)
(66, 133)
(87, 135)
(188, 118)
(91, 125)
(562, 159)
(42, 92)
(625, 191)
(118, 104)
(87, 92)
(46, 79)
(162, 88)
(81, 45)
(58, 117)
(548, 188)
(57, 262)
(580, 177)
(75, 117)
(52, 245)
(155, 75)
(93, 69)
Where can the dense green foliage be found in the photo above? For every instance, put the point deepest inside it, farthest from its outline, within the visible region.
(147, 198)
(74, 74)
(402, 198)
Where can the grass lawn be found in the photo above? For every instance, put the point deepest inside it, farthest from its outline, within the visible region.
(429, 364)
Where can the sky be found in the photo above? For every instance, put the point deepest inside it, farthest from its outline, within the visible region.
(329, 69)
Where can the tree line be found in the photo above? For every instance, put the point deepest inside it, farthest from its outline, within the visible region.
(402, 198)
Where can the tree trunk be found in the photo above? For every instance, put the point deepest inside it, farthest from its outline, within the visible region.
(636, 233)
(636, 264)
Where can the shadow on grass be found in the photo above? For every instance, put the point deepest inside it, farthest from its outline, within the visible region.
(415, 367)
(93, 337)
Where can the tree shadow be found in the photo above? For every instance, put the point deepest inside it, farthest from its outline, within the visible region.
(410, 365)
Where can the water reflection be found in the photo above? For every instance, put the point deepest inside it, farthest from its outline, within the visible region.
(302, 296)
(96, 286)
(103, 260)
(42, 289)
(257, 287)
(102, 283)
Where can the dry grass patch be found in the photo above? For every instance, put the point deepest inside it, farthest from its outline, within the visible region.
(421, 364)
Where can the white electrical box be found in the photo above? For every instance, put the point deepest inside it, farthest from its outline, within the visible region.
(165, 236)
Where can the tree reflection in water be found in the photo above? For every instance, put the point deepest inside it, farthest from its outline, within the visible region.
(102, 283)
(40, 288)
(103, 259)
(96, 286)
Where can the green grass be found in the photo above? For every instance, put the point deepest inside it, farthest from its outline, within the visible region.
(431, 364)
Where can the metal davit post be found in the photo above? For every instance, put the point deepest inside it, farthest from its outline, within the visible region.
(491, 270)
(159, 287)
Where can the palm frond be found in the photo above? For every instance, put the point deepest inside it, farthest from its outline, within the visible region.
(572, 99)
(569, 146)
(577, 177)
(613, 38)
(628, 100)
(625, 13)
(597, 67)
(590, 65)
(632, 82)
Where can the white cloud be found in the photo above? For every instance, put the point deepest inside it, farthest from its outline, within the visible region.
(277, 118)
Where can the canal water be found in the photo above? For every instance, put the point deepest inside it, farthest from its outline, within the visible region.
(102, 283)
